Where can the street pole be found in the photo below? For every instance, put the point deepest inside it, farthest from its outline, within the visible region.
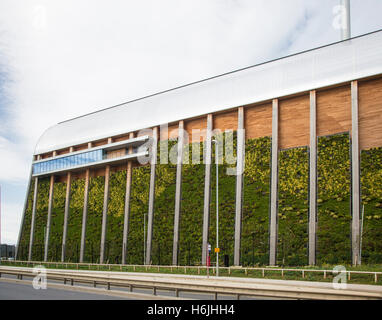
(144, 238)
(217, 206)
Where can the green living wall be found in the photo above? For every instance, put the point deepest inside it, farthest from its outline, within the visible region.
(73, 242)
(293, 207)
(191, 217)
(226, 199)
(371, 189)
(94, 219)
(57, 222)
(256, 189)
(41, 219)
(26, 228)
(115, 217)
(139, 198)
(334, 215)
(164, 205)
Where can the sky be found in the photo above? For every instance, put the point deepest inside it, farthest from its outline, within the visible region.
(62, 59)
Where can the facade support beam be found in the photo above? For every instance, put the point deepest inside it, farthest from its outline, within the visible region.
(313, 179)
(154, 150)
(127, 204)
(274, 185)
(178, 192)
(104, 214)
(49, 219)
(33, 221)
(239, 183)
(66, 214)
(355, 154)
(207, 187)
(84, 215)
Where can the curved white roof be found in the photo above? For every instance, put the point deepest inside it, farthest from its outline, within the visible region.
(336, 63)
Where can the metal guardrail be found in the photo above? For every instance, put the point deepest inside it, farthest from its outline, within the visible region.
(207, 286)
(157, 268)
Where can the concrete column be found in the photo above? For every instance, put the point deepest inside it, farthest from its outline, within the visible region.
(66, 214)
(207, 188)
(49, 219)
(239, 183)
(104, 214)
(178, 192)
(313, 179)
(150, 221)
(127, 204)
(33, 222)
(274, 187)
(355, 154)
(84, 216)
(24, 212)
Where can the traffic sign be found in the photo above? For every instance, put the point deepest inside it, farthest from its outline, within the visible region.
(217, 250)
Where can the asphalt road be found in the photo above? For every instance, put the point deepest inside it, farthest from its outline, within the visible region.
(19, 291)
(22, 291)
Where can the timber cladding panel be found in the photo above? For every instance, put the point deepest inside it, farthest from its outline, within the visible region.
(196, 124)
(294, 122)
(370, 113)
(171, 132)
(334, 111)
(225, 121)
(258, 121)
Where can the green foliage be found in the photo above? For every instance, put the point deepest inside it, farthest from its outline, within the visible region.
(255, 223)
(138, 209)
(334, 217)
(191, 218)
(26, 228)
(115, 217)
(57, 222)
(73, 242)
(226, 200)
(293, 206)
(371, 189)
(164, 206)
(41, 219)
(94, 219)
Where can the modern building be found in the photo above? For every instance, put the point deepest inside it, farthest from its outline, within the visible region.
(307, 133)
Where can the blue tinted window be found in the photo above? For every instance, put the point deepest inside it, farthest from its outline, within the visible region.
(69, 161)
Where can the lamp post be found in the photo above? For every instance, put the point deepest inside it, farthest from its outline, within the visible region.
(217, 205)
